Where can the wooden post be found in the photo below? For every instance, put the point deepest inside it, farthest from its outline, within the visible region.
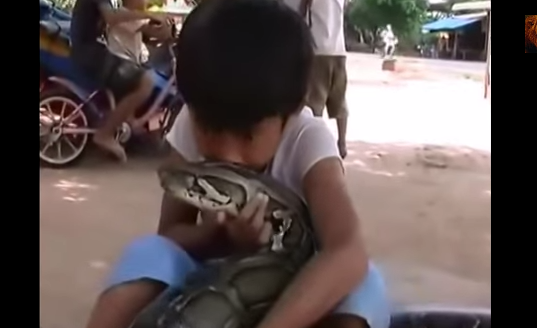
(487, 72)
(455, 45)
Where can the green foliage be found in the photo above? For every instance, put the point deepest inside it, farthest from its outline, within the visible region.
(68, 4)
(405, 16)
(158, 3)
(64, 4)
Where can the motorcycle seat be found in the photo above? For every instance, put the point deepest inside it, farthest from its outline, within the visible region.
(56, 28)
(160, 60)
(163, 69)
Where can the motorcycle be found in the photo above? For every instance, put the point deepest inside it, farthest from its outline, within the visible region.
(47, 11)
(71, 107)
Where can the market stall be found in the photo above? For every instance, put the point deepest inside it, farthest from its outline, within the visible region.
(479, 6)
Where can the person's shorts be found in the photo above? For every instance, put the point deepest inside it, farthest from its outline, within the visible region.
(328, 85)
(157, 258)
(119, 75)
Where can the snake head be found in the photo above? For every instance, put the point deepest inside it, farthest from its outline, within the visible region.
(203, 189)
(223, 187)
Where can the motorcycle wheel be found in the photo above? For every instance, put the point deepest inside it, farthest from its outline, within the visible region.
(57, 149)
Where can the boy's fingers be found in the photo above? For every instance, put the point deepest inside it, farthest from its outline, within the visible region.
(249, 210)
(258, 218)
(220, 217)
(266, 233)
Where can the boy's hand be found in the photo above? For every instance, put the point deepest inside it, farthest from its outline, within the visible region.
(159, 17)
(248, 230)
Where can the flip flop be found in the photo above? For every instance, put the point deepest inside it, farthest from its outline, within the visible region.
(113, 147)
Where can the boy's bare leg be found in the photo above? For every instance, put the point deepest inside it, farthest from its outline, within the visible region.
(105, 136)
(119, 306)
(342, 136)
(342, 321)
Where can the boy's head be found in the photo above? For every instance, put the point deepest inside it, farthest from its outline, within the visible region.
(243, 65)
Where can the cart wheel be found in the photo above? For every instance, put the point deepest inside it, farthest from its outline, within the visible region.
(58, 111)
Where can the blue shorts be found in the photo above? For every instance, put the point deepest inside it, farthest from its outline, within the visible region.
(157, 258)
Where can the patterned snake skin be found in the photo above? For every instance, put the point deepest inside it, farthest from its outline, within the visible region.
(427, 317)
(237, 291)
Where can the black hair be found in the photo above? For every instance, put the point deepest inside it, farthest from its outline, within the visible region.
(242, 61)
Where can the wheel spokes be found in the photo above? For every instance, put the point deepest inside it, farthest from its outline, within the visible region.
(59, 148)
(71, 117)
(66, 118)
(48, 109)
(69, 143)
(47, 146)
(62, 112)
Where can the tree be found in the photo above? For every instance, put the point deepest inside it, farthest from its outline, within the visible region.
(405, 16)
(68, 4)
(64, 4)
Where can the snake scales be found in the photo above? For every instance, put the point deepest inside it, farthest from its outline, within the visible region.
(237, 291)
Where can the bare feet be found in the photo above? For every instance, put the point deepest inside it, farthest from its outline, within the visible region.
(342, 146)
(112, 146)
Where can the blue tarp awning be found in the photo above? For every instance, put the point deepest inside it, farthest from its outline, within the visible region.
(449, 24)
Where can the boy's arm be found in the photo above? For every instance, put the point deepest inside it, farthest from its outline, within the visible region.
(173, 211)
(178, 222)
(178, 219)
(342, 262)
(160, 32)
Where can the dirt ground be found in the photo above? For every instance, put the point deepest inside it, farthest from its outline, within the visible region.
(426, 209)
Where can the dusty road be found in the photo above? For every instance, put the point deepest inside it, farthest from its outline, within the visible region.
(426, 210)
(433, 64)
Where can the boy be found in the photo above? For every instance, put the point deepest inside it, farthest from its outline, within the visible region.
(243, 68)
(129, 82)
(125, 39)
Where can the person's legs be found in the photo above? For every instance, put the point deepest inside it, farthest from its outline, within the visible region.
(336, 104)
(146, 268)
(133, 84)
(366, 307)
(319, 85)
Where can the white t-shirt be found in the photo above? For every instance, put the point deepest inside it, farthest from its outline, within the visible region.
(125, 40)
(326, 25)
(305, 141)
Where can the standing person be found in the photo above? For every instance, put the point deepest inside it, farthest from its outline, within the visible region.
(390, 41)
(127, 80)
(328, 82)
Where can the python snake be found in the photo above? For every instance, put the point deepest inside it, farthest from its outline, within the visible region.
(237, 291)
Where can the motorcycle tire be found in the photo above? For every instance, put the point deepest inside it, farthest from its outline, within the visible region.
(62, 93)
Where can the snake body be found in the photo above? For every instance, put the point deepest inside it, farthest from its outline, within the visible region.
(237, 291)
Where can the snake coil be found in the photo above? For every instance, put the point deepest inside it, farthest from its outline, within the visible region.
(237, 291)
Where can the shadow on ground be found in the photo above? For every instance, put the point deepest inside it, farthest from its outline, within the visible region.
(425, 210)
